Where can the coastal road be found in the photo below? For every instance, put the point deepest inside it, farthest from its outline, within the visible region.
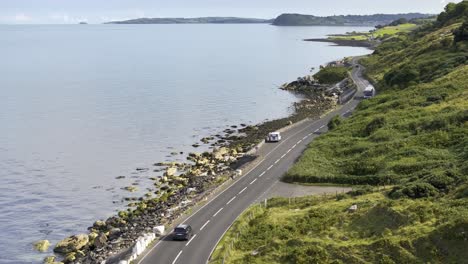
(212, 220)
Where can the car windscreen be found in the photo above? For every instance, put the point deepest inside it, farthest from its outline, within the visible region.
(180, 230)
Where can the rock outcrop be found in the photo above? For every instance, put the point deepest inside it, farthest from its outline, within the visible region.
(71, 244)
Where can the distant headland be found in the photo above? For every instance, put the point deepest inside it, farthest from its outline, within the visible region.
(285, 20)
(348, 20)
(197, 20)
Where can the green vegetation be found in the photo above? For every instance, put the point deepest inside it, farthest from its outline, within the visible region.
(392, 30)
(322, 230)
(380, 33)
(331, 74)
(414, 133)
(412, 138)
(359, 20)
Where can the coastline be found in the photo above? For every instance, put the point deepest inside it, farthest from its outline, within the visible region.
(185, 186)
(345, 42)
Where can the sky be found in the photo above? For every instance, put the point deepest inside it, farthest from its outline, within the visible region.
(99, 11)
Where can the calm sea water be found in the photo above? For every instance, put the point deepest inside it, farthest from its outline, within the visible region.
(82, 104)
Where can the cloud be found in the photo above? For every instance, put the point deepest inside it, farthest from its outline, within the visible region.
(65, 18)
(21, 18)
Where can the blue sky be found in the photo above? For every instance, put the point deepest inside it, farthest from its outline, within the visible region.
(98, 11)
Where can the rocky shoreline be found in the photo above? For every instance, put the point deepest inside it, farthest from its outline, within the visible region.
(182, 185)
(345, 42)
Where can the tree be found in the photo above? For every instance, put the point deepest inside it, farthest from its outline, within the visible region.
(461, 33)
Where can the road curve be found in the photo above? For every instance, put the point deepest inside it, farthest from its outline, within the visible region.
(211, 221)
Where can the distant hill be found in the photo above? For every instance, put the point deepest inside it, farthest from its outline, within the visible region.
(349, 20)
(197, 20)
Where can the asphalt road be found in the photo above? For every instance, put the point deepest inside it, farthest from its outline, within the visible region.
(212, 220)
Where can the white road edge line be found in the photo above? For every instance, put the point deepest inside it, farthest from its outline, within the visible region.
(190, 240)
(232, 199)
(178, 255)
(218, 211)
(203, 226)
(223, 191)
(243, 190)
(253, 181)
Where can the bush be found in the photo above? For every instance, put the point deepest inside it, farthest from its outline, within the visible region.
(331, 75)
(414, 190)
(461, 33)
(403, 76)
(334, 122)
(361, 190)
(375, 124)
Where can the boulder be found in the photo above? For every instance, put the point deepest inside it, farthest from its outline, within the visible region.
(70, 257)
(159, 230)
(114, 233)
(92, 236)
(352, 208)
(71, 244)
(171, 171)
(130, 188)
(100, 241)
(51, 260)
(41, 245)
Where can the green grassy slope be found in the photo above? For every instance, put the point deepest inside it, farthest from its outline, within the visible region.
(412, 138)
(321, 230)
(414, 133)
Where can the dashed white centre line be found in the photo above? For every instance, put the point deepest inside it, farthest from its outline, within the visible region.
(263, 173)
(304, 138)
(253, 181)
(310, 134)
(178, 255)
(277, 161)
(203, 226)
(295, 145)
(322, 126)
(299, 142)
(289, 150)
(243, 190)
(232, 199)
(190, 240)
(284, 155)
(218, 211)
(317, 129)
(269, 168)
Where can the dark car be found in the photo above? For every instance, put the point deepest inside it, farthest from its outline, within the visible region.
(182, 232)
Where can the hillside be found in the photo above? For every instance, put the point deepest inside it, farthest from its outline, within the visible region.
(407, 148)
(349, 20)
(198, 20)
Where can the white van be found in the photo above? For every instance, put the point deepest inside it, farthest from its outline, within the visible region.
(369, 92)
(273, 137)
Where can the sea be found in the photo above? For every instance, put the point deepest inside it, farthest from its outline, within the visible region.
(83, 104)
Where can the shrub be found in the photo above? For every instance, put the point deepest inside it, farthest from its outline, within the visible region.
(361, 190)
(330, 75)
(334, 122)
(375, 124)
(414, 190)
(402, 76)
